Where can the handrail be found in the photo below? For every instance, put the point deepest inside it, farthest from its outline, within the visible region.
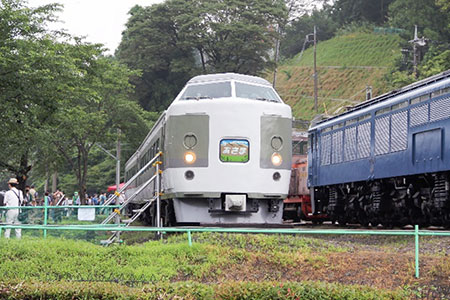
(113, 214)
(119, 191)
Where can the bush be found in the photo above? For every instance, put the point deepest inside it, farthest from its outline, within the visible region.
(189, 290)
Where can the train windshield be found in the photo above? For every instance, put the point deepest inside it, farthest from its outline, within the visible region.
(207, 91)
(256, 92)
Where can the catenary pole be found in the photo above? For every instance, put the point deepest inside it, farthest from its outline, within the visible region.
(315, 71)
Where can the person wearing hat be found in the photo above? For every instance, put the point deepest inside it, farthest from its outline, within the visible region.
(13, 197)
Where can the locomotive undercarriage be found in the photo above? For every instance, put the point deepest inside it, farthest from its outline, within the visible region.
(423, 199)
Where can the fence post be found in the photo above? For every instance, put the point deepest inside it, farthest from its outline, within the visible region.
(416, 236)
(45, 217)
(189, 238)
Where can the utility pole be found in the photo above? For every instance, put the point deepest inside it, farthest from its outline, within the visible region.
(118, 161)
(117, 220)
(277, 50)
(417, 43)
(315, 71)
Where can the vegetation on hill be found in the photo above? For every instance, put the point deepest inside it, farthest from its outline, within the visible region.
(346, 65)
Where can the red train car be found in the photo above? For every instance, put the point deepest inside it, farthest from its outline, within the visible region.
(297, 206)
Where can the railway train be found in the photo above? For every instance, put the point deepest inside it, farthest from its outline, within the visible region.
(297, 206)
(387, 160)
(226, 144)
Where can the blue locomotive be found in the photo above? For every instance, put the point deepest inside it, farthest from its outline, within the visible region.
(387, 160)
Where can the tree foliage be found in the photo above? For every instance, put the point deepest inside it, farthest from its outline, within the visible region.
(172, 41)
(30, 67)
(57, 97)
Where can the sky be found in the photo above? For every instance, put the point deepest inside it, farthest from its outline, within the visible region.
(100, 21)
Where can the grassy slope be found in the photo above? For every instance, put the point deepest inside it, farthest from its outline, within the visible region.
(346, 64)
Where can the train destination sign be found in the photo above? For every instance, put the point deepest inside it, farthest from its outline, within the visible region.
(234, 151)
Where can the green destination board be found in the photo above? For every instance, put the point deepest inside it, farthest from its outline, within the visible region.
(234, 151)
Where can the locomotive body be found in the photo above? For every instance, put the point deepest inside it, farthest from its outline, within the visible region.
(226, 153)
(387, 160)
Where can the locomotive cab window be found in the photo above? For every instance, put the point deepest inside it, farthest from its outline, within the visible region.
(207, 91)
(256, 92)
(299, 147)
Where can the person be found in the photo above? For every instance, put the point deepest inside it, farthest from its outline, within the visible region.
(33, 193)
(13, 197)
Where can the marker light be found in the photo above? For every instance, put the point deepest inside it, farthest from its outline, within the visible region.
(276, 159)
(189, 157)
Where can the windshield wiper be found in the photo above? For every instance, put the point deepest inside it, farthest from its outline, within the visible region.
(196, 98)
(268, 100)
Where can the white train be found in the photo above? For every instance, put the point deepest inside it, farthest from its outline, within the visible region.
(226, 143)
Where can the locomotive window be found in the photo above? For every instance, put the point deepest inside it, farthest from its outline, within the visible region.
(207, 91)
(299, 147)
(420, 99)
(256, 92)
(382, 111)
(399, 105)
(365, 117)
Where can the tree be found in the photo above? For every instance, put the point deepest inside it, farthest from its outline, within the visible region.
(233, 35)
(360, 11)
(30, 68)
(151, 44)
(292, 42)
(431, 17)
(172, 41)
(91, 111)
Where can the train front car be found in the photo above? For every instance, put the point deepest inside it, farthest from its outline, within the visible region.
(227, 151)
(386, 160)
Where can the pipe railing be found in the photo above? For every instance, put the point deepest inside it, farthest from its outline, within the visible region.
(416, 232)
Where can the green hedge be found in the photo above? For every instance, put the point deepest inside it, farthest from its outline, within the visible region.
(189, 290)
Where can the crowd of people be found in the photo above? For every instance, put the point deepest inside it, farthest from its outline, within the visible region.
(15, 198)
(59, 198)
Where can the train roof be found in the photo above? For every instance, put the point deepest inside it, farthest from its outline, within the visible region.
(389, 95)
(228, 76)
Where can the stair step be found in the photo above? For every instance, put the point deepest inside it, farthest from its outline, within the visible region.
(127, 221)
(137, 210)
(106, 242)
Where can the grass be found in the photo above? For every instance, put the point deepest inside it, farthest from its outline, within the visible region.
(215, 258)
(346, 65)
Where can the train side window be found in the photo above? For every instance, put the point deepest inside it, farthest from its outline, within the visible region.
(363, 118)
(337, 126)
(382, 111)
(399, 105)
(157, 146)
(440, 92)
(352, 121)
(421, 98)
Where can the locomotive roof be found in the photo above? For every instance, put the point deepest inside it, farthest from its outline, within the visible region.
(229, 76)
(389, 95)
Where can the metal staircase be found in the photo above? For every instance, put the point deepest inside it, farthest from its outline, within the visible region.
(115, 215)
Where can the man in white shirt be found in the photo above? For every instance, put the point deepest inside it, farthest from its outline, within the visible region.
(13, 197)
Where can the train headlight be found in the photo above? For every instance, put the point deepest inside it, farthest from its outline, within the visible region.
(189, 157)
(277, 160)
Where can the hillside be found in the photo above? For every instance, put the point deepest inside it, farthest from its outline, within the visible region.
(346, 65)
